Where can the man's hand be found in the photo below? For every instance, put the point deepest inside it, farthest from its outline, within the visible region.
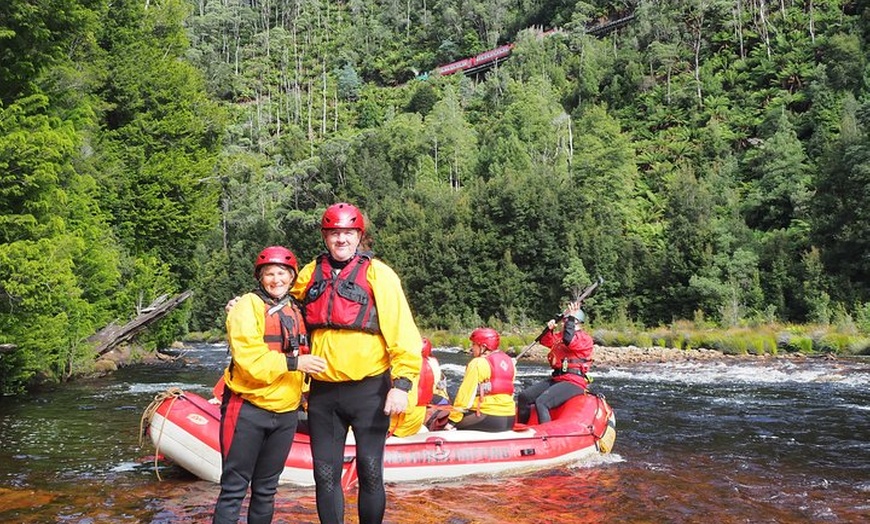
(397, 402)
(231, 303)
(573, 308)
(311, 364)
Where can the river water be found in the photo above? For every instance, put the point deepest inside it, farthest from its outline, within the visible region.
(775, 441)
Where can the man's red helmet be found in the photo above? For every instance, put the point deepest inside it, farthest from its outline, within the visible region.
(486, 337)
(275, 255)
(427, 348)
(343, 216)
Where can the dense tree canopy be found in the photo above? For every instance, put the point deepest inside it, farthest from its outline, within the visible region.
(709, 158)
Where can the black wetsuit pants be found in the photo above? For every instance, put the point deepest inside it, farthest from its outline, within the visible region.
(332, 408)
(254, 446)
(545, 395)
(488, 423)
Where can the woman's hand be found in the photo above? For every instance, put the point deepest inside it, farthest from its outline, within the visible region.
(311, 364)
(231, 303)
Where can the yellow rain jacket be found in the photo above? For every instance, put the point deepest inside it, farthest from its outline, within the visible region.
(258, 373)
(355, 355)
(467, 397)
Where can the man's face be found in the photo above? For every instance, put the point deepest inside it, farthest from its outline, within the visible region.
(341, 243)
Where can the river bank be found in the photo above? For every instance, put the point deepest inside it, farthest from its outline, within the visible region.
(618, 356)
(607, 356)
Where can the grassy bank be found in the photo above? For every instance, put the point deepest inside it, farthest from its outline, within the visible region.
(768, 339)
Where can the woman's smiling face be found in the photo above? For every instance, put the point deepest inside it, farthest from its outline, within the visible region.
(276, 279)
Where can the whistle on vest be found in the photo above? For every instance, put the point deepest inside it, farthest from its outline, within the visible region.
(564, 365)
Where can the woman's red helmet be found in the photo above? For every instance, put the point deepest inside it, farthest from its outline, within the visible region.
(275, 255)
(343, 216)
(486, 337)
(427, 348)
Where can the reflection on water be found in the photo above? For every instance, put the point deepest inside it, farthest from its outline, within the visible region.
(732, 442)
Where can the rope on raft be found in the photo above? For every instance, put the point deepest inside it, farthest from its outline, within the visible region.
(172, 393)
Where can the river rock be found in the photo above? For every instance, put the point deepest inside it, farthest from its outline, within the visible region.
(105, 365)
(613, 356)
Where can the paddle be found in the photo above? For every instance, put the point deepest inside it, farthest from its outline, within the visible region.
(588, 292)
(537, 339)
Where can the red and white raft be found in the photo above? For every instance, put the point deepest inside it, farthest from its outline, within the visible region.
(184, 428)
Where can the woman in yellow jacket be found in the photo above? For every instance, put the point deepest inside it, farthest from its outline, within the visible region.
(484, 401)
(262, 389)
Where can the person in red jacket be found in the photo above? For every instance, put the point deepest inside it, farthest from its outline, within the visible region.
(570, 357)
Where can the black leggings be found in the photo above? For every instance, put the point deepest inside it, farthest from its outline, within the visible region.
(254, 446)
(545, 395)
(489, 423)
(332, 408)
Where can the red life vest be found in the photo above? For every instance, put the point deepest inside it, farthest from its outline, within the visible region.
(574, 357)
(578, 354)
(571, 362)
(501, 380)
(285, 328)
(426, 384)
(343, 301)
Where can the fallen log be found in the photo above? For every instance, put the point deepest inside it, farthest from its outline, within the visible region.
(110, 336)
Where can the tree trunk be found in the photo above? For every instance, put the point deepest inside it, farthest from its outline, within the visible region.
(112, 335)
(323, 95)
(738, 26)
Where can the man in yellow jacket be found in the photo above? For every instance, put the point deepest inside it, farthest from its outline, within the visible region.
(361, 324)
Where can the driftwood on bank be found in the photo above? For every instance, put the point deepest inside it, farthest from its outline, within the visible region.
(112, 335)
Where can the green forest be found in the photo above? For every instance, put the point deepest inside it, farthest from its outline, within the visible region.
(710, 159)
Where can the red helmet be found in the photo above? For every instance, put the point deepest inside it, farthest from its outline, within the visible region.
(343, 216)
(486, 337)
(427, 348)
(275, 255)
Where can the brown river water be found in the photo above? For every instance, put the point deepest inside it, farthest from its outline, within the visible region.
(774, 441)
